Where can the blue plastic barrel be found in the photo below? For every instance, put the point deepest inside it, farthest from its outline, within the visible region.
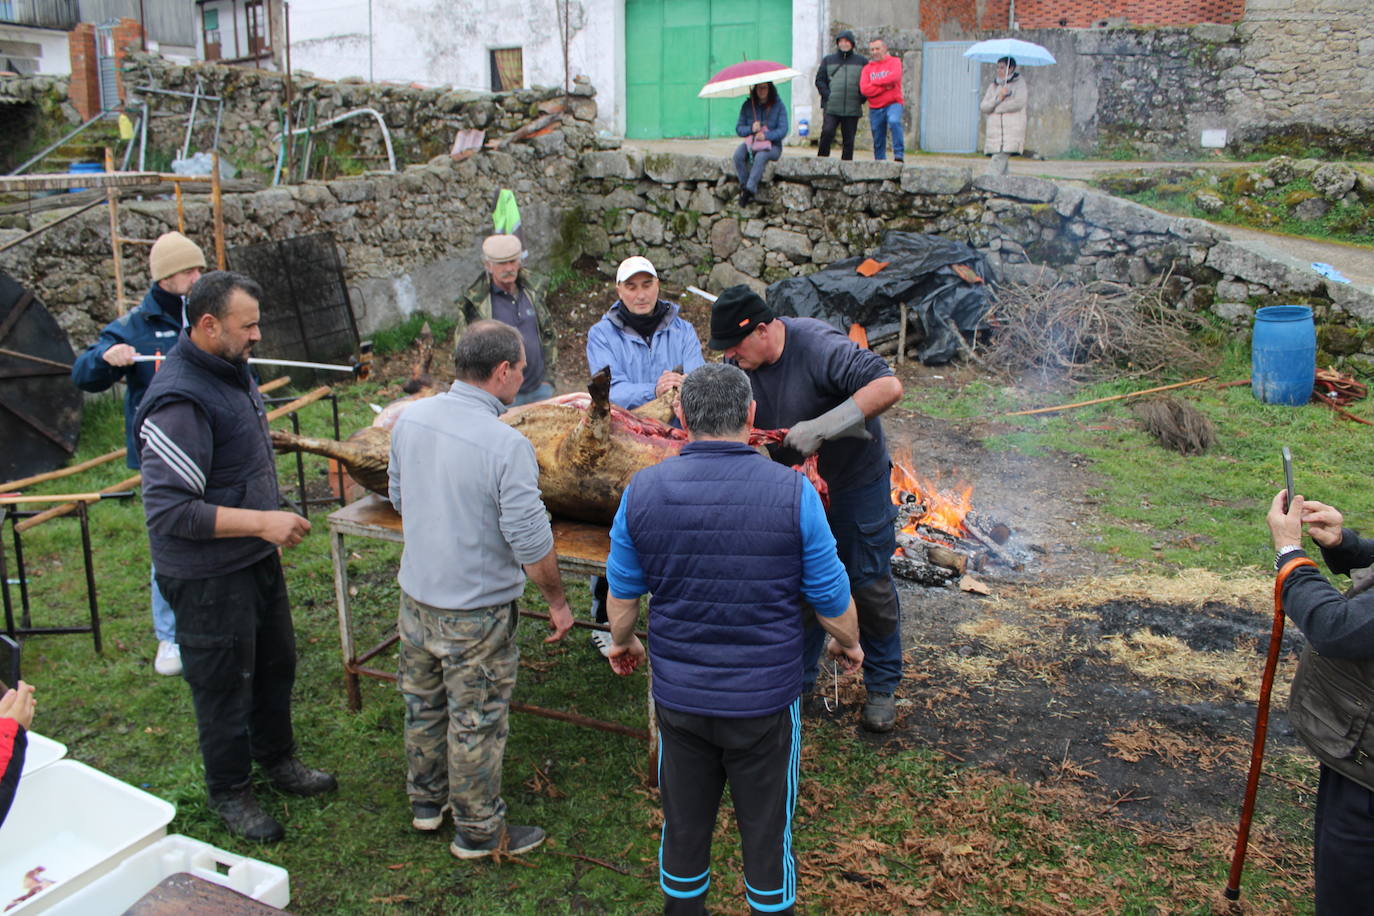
(84, 168)
(1283, 355)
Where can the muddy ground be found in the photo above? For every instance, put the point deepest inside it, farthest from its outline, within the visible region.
(1138, 690)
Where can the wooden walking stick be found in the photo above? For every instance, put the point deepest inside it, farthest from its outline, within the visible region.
(1271, 662)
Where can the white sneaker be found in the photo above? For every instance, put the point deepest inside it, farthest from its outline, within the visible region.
(168, 659)
(601, 640)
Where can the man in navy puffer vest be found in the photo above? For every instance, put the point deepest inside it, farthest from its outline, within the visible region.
(729, 544)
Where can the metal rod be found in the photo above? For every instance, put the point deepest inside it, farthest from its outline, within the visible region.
(263, 361)
(143, 136)
(381, 122)
(4, 351)
(184, 95)
(702, 293)
(181, 209)
(5, 576)
(49, 149)
(84, 515)
(191, 121)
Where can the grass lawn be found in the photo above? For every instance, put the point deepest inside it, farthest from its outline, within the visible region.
(883, 826)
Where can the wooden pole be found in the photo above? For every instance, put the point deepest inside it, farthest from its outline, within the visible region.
(901, 335)
(112, 198)
(67, 508)
(293, 406)
(51, 498)
(26, 482)
(217, 209)
(181, 208)
(1115, 397)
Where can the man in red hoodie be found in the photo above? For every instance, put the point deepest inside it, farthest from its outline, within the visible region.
(881, 83)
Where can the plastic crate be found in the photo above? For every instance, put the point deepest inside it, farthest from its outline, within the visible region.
(39, 753)
(77, 823)
(144, 870)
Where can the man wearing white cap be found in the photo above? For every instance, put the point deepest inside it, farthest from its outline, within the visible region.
(649, 348)
(175, 264)
(513, 296)
(644, 340)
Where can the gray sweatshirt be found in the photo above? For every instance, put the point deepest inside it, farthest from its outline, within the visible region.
(467, 488)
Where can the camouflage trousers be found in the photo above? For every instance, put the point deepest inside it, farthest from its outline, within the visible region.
(457, 672)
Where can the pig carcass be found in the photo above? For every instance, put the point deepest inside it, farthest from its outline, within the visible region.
(587, 449)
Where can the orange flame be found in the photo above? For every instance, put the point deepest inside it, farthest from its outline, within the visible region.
(944, 510)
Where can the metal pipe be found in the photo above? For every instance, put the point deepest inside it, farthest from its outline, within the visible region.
(381, 122)
(264, 361)
(49, 149)
(191, 121)
(176, 92)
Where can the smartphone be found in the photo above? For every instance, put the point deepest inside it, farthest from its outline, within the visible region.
(1287, 477)
(9, 662)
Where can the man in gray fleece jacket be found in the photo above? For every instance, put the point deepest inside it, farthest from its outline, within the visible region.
(467, 488)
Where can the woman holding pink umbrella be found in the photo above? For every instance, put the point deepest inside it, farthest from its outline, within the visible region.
(763, 124)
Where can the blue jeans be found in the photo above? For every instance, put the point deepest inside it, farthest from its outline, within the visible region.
(164, 621)
(882, 120)
(542, 393)
(751, 173)
(861, 520)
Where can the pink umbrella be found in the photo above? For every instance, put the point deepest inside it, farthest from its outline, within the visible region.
(737, 78)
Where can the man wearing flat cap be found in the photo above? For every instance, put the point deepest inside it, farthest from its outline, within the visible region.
(513, 296)
(152, 327)
(810, 378)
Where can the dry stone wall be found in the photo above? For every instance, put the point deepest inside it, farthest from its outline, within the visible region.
(409, 240)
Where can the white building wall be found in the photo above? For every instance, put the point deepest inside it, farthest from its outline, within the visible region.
(54, 58)
(447, 42)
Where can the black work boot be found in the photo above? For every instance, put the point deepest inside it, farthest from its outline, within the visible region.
(244, 816)
(290, 775)
(880, 712)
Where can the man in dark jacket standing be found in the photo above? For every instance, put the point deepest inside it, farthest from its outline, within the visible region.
(1333, 691)
(210, 494)
(152, 327)
(837, 80)
(728, 568)
(829, 393)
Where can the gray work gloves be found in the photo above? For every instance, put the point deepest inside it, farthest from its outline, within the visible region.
(846, 420)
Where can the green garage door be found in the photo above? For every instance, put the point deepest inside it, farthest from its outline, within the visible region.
(672, 47)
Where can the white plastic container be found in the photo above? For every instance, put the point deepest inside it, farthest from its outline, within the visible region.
(144, 870)
(77, 823)
(39, 753)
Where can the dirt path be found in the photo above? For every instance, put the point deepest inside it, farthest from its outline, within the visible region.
(1354, 261)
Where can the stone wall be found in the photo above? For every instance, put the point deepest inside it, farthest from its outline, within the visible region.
(422, 122)
(1305, 74)
(409, 241)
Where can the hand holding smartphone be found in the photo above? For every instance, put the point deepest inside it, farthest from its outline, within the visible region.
(1287, 478)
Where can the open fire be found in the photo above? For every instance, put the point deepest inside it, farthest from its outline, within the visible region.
(937, 535)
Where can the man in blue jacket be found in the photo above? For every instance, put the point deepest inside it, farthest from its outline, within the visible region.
(732, 547)
(175, 263)
(648, 346)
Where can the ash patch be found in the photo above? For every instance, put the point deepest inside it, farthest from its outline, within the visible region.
(1057, 708)
(1214, 627)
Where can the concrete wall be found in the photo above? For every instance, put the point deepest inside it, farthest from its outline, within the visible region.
(437, 42)
(47, 48)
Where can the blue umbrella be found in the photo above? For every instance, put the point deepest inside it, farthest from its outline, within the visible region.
(1027, 53)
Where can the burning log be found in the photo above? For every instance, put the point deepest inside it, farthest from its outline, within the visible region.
(913, 562)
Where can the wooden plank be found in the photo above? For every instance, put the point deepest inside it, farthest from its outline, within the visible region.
(63, 181)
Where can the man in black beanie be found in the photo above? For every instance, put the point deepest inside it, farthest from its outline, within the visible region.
(810, 378)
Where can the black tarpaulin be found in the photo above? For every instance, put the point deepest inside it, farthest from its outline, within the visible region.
(919, 272)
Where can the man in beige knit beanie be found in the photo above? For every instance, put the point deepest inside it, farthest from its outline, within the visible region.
(175, 264)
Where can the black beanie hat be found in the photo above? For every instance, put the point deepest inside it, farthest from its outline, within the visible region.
(734, 316)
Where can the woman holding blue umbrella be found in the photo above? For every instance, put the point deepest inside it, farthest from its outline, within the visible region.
(1005, 105)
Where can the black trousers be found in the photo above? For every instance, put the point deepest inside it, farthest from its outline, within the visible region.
(1343, 846)
(848, 127)
(238, 654)
(759, 758)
